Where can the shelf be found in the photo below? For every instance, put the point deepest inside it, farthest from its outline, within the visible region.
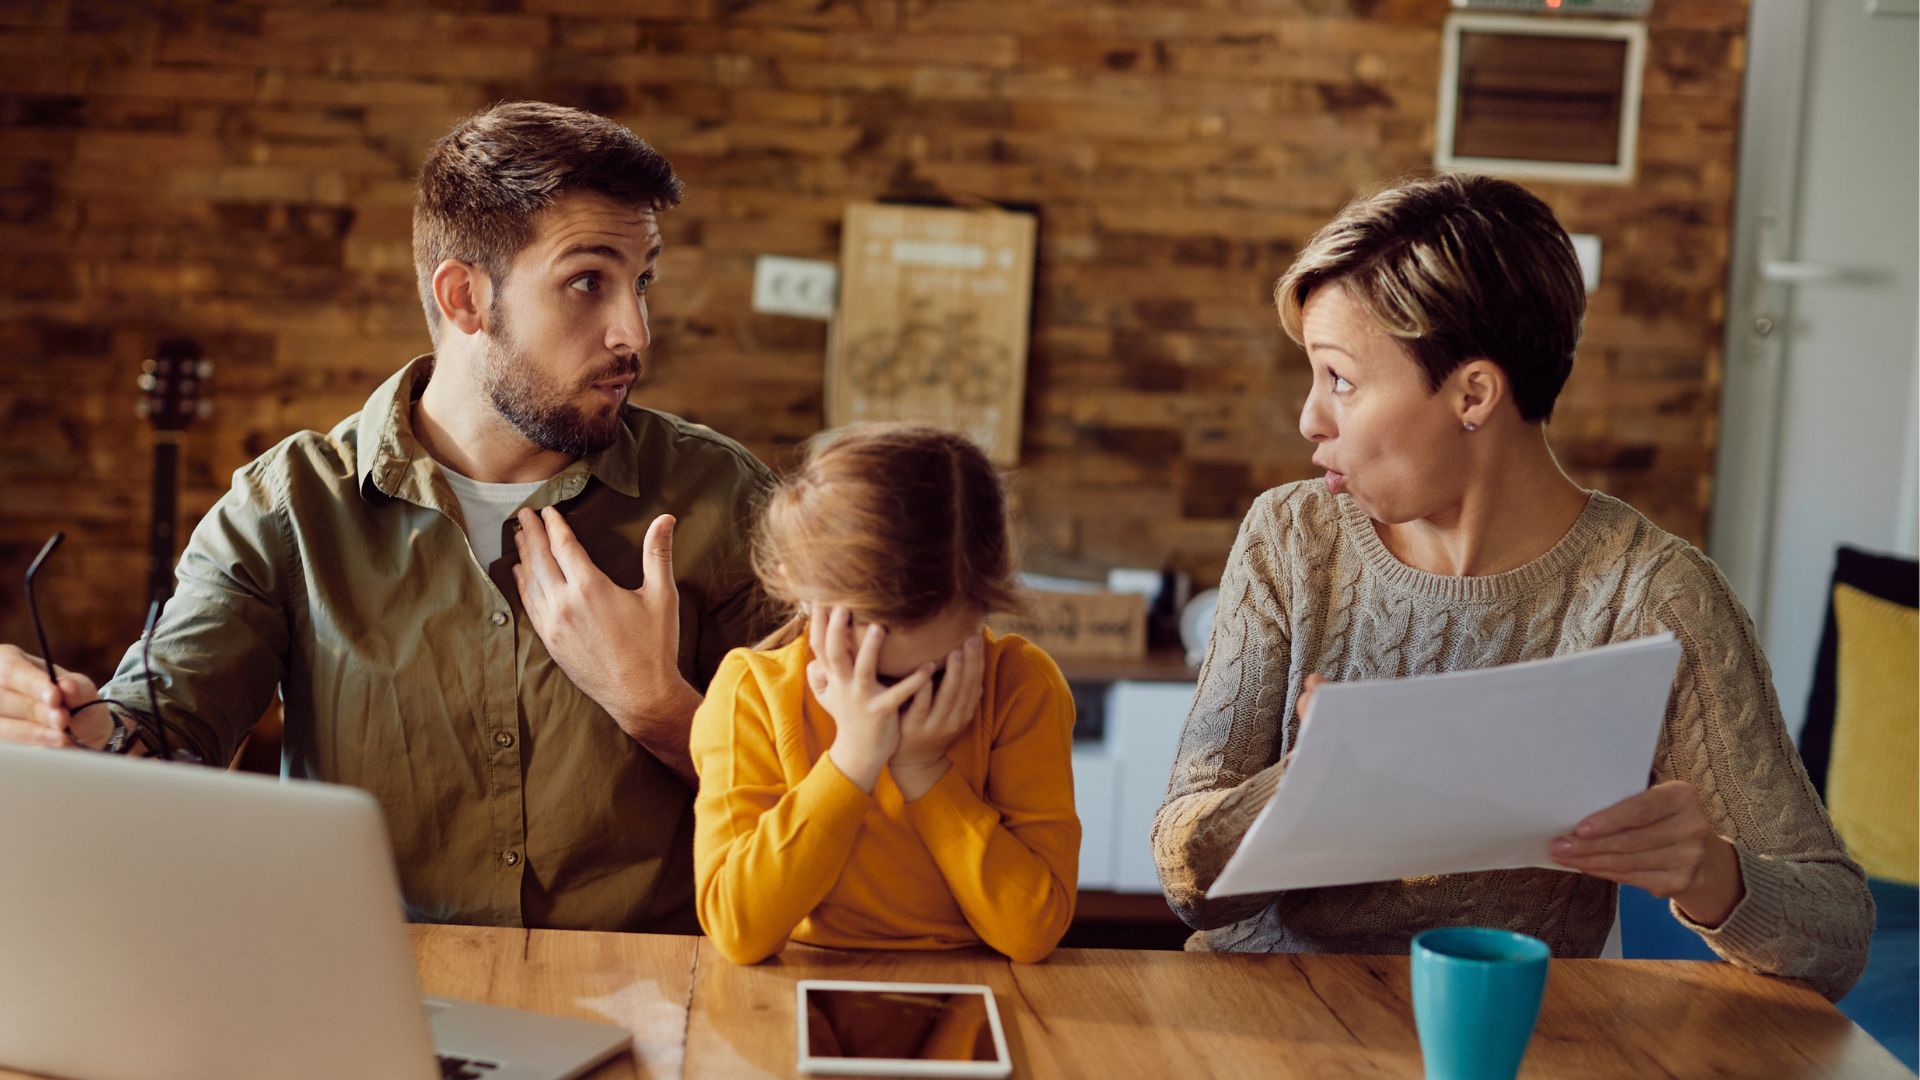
(1095, 905)
(1162, 665)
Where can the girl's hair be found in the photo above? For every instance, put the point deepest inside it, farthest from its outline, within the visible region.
(895, 522)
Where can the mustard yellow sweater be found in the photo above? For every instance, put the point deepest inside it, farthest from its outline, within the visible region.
(786, 847)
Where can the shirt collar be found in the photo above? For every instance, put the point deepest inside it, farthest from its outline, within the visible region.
(389, 454)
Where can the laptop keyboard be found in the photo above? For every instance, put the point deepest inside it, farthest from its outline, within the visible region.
(459, 1068)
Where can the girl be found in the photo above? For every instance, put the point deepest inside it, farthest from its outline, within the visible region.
(883, 771)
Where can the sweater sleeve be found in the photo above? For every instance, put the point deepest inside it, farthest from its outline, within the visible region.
(1231, 750)
(765, 853)
(1806, 912)
(1011, 855)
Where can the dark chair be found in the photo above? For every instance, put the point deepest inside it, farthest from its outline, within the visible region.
(1860, 755)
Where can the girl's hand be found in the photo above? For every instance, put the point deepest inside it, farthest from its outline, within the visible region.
(934, 720)
(1661, 841)
(866, 715)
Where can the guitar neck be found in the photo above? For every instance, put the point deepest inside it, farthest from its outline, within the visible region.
(174, 382)
(160, 545)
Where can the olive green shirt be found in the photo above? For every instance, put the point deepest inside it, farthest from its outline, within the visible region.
(337, 572)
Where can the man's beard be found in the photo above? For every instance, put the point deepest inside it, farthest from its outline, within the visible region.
(542, 412)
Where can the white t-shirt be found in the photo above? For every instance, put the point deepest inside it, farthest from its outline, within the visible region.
(486, 507)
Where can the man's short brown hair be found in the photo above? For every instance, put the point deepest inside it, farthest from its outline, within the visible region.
(1456, 267)
(486, 181)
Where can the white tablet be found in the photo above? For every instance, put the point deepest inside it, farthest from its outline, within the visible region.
(899, 1029)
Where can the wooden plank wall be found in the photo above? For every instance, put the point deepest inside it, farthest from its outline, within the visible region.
(242, 171)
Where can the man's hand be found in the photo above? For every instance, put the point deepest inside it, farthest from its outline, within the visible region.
(933, 720)
(35, 711)
(620, 647)
(1661, 841)
(866, 715)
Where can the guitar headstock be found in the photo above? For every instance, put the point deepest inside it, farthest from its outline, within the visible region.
(174, 385)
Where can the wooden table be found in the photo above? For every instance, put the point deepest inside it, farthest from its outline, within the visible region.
(1110, 1014)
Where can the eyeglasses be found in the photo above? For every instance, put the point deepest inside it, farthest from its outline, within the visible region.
(149, 727)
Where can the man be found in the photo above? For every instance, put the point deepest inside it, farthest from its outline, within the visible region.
(516, 690)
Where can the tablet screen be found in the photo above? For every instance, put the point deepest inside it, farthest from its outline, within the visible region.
(900, 1025)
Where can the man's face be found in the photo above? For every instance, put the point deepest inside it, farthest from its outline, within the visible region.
(567, 328)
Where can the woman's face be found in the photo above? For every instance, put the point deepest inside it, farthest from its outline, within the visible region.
(1382, 437)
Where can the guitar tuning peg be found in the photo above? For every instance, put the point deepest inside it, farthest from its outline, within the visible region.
(188, 386)
(143, 410)
(205, 370)
(149, 365)
(203, 408)
(147, 381)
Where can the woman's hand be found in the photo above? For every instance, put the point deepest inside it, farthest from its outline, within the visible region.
(935, 719)
(1659, 840)
(866, 715)
(1313, 683)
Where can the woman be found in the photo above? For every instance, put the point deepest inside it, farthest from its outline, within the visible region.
(1440, 319)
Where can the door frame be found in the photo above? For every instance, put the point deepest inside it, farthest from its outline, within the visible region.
(1753, 349)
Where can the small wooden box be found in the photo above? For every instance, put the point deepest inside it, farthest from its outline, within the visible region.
(1082, 626)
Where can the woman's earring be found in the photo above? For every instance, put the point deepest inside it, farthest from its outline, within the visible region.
(1469, 425)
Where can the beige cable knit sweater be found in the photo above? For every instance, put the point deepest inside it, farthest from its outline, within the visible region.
(1309, 587)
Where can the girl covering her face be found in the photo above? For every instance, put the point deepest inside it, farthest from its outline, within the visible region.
(884, 771)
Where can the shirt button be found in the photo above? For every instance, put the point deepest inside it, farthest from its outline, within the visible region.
(503, 740)
(499, 618)
(511, 858)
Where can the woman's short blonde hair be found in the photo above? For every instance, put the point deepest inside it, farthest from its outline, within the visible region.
(1456, 267)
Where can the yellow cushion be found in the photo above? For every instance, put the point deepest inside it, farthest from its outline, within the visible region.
(1872, 791)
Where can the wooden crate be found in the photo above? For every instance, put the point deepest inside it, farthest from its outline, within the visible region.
(1082, 626)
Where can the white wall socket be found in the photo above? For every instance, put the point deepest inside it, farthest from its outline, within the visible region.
(1586, 247)
(807, 288)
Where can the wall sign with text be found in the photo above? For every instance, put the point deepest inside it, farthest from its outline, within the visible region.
(934, 315)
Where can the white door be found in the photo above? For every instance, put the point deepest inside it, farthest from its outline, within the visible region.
(1818, 440)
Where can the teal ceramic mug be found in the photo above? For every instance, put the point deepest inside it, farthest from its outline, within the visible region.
(1476, 994)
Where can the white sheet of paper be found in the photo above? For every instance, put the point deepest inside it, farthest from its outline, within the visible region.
(1444, 774)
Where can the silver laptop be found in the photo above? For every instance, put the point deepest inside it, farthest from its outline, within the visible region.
(161, 921)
